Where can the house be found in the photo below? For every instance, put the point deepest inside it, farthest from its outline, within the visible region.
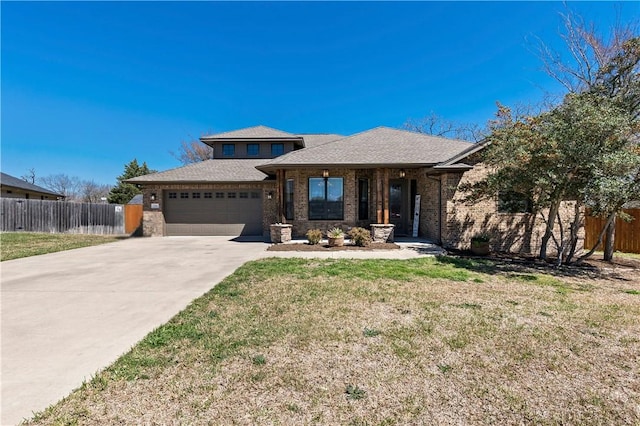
(260, 176)
(13, 187)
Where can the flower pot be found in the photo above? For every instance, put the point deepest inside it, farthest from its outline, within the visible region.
(335, 241)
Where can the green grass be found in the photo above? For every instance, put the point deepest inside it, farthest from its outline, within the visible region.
(15, 245)
(424, 341)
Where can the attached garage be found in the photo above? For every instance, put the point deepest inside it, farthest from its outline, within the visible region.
(213, 212)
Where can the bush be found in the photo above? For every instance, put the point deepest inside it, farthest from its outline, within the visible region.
(335, 233)
(480, 238)
(360, 236)
(314, 236)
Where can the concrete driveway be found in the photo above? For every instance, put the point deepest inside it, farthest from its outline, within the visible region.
(67, 315)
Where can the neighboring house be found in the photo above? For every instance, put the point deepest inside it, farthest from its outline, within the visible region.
(13, 187)
(260, 176)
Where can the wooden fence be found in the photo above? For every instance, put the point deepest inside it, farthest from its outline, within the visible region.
(61, 217)
(627, 238)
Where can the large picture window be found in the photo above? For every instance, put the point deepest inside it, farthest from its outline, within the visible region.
(288, 200)
(326, 198)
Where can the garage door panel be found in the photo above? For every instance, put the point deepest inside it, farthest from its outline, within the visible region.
(226, 213)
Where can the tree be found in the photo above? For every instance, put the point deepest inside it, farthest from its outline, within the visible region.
(30, 176)
(436, 125)
(92, 192)
(123, 192)
(62, 184)
(192, 152)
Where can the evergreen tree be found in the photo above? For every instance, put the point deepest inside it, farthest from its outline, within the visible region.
(123, 192)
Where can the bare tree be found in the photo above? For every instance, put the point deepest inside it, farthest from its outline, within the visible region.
(192, 152)
(590, 52)
(62, 184)
(436, 125)
(92, 192)
(30, 176)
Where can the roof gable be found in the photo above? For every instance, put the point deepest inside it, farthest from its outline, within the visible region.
(256, 132)
(379, 146)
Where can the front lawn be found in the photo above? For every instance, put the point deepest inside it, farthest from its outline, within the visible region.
(14, 245)
(425, 341)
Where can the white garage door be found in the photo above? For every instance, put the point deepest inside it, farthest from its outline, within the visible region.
(213, 212)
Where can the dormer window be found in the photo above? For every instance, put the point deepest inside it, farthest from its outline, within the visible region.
(253, 149)
(277, 149)
(228, 150)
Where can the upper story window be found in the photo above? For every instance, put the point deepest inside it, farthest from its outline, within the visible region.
(228, 150)
(277, 149)
(253, 149)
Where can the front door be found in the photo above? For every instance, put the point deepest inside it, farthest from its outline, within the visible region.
(398, 205)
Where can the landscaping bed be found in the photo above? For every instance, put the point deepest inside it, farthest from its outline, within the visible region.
(326, 247)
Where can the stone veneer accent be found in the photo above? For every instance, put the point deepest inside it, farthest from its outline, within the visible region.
(381, 233)
(280, 233)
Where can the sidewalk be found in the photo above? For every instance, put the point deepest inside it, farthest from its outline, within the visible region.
(410, 248)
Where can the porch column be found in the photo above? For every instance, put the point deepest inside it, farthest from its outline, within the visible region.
(379, 191)
(280, 194)
(385, 196)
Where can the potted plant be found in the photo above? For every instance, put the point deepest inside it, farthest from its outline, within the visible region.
(480, 245)
(335, 236)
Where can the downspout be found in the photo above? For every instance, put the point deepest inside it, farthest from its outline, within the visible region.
(439, 180)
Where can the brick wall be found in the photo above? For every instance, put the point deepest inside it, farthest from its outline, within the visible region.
(513, 232)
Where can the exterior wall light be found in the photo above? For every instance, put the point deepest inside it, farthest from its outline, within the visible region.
(153, 196)
(325, 173)
(402, 174)
(269, 195)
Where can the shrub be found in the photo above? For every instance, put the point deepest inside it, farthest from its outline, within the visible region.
(335, 233)
(314, 236)
(360, 236)
(480, 238)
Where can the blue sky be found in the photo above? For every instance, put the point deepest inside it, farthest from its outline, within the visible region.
(88, 86)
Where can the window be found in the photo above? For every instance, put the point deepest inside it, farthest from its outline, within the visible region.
(363, 199)
(173, 195)
(253, 149)
(325, 198)
(195, 195)
(288, 199)
(207, 195)
(184, 195)
(277, 149)
(219, 194)
(231, 195)
(514, 202)
(243, 194)
(228, 150)
(255, 195)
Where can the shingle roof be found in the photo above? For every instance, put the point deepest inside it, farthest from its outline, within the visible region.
(256, 132)
(312, 140)
(379, 146)
(208, 171)
(8, 180)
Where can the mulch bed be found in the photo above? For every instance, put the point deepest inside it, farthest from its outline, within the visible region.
(324, 247)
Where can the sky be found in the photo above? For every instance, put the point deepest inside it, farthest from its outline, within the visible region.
(86, 87)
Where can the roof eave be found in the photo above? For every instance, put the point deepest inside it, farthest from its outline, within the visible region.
(272, 167)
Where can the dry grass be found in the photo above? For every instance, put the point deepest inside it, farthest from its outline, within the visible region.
(290, 341)
(15, 245)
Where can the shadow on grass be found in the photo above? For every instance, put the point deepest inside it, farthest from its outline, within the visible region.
(519, 265)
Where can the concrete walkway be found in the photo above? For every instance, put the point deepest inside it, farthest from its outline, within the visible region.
(67, 315)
